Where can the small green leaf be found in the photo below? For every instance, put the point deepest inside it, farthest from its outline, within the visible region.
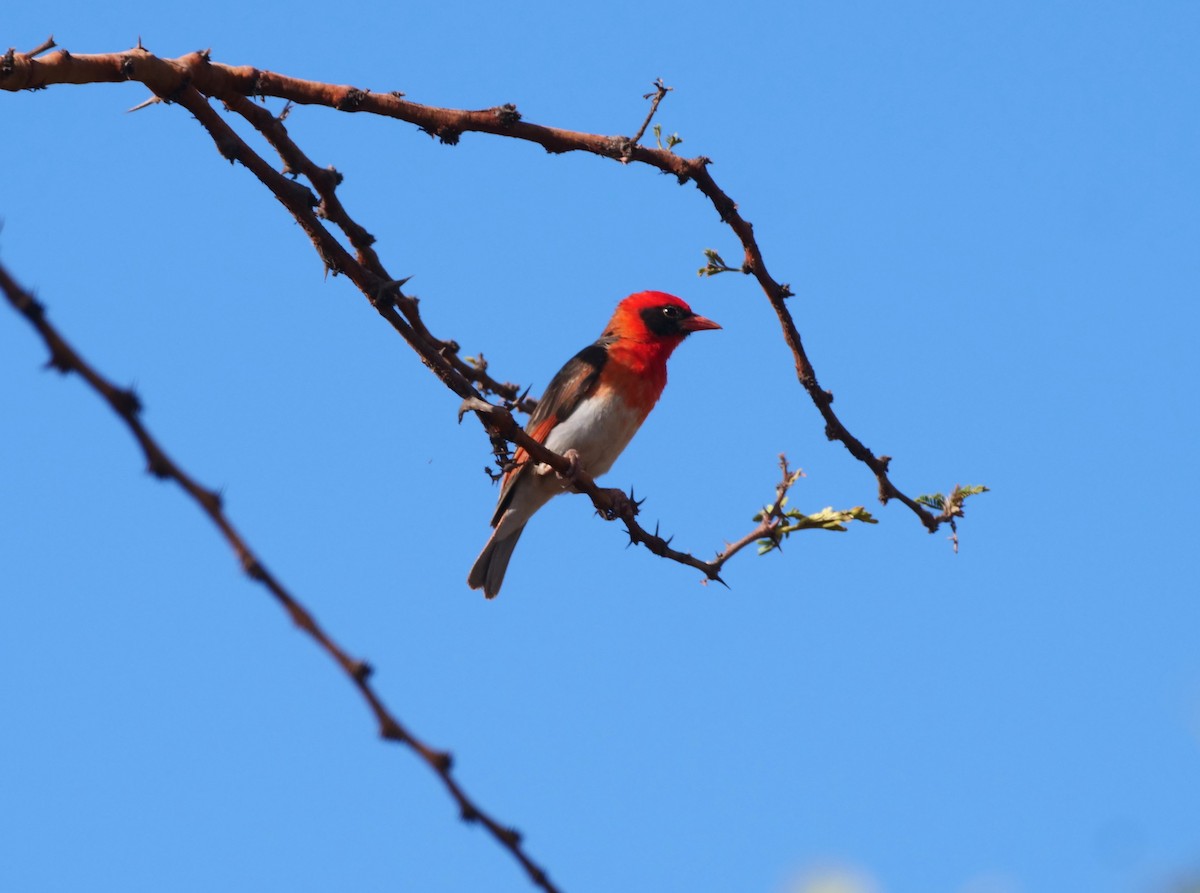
(953, 503)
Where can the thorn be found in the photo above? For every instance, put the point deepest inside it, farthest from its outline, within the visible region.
(44, 46)
(385, 287)
(153, 100)
(472, 404)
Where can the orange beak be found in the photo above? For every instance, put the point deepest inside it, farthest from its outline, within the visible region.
(698, 324)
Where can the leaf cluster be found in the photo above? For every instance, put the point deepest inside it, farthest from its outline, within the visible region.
(787, 522)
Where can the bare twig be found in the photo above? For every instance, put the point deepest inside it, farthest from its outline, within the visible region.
(127, 406)
(660, 90)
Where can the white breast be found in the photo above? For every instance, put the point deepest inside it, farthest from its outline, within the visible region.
(598, 430)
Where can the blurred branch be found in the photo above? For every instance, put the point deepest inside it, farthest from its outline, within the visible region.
(125, 403)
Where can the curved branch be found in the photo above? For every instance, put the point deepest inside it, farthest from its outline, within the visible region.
(190, 81)
(227, 82)
(167, 78)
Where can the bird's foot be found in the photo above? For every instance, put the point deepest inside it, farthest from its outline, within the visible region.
(571, 475)
(620, 505)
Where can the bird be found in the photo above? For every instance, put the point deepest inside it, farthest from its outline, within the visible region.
(589, 413)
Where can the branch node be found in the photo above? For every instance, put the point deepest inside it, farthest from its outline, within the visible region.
(390, 730)
(507, 114)
(622, 148)
(157, 465)
(126, 401)
(351, 100)
(251, 565)
(59, 361)
(511, 836)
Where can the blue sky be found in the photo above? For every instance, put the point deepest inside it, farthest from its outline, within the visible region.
(990, 216)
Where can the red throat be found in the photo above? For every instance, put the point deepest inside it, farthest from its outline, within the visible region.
(638, 351)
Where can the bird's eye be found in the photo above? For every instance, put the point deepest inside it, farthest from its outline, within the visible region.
(672, 312)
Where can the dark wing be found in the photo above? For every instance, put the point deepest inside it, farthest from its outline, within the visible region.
(573, 384)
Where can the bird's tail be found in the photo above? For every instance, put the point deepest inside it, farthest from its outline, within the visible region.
(488, 570)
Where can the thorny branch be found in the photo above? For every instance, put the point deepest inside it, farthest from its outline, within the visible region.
(195, 72)
(176, 83)
(190, 81)
(127, 406)
(660, 91)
